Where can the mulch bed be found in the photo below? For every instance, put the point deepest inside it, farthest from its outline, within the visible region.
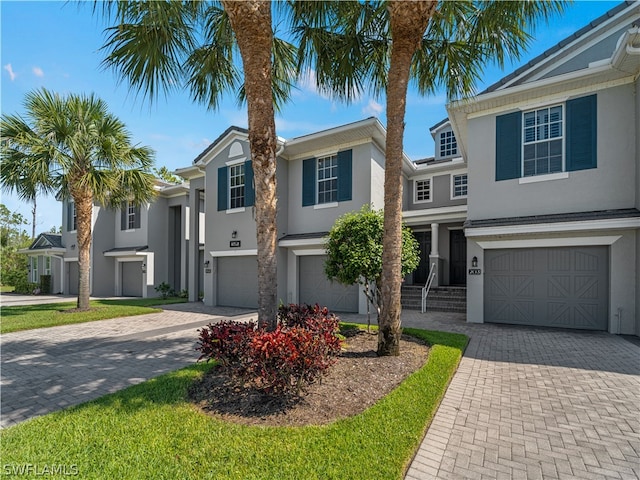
(357, 380)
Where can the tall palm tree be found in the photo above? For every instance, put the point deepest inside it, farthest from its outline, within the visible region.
(381, 46)
(73, 147)
(161, 45)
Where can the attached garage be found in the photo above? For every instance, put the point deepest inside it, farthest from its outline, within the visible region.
(565, 287)
(237, 281)
(73, 275)
(131, 279)
(314, 287)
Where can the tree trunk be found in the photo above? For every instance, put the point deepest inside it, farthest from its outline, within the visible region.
(251, 23)
(83, 199)
(408, 22)
(33, 219)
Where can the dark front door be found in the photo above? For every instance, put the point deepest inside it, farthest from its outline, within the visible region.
(458, 258)
(422, 272)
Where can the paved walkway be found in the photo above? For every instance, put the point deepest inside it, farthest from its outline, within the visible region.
(525, 403)
(534, 404)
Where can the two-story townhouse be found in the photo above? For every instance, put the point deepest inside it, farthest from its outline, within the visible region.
(320, 176)
(133, 249)
(553, 228)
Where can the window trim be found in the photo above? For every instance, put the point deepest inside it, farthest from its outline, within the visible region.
(74, 217)
(230, 168)
(562, 138)
(453, 186)
(131, 217)
(47, 265)
(442, 144)
(415, 189)
(34, 269)
(333, 157)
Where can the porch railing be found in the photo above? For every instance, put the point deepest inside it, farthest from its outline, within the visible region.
(427, 286)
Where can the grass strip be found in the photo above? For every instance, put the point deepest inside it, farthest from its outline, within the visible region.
(150, 431)
(27, 317)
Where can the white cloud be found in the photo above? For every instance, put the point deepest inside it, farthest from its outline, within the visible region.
(372, 108)
(9, 69)
(37, 71)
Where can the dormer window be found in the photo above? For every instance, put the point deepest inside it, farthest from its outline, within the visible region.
(448, 144)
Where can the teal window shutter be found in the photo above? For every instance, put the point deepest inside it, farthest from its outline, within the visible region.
(223, 186)
(249, 189)
(582, 133)
(508, 146)
(308, 182)
(136, 216)
(123, 216)
(345, 175)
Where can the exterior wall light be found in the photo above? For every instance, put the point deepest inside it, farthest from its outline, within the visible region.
(234, 234)
(206, 264)
(474, 262)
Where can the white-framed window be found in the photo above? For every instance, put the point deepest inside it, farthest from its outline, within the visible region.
(543, 141)
(131, 216)
(459, 187)
(328, 179)
(422, 190)
(236, 186)
(72, 219)
(448, 144)
(34, 270)
(47, 265)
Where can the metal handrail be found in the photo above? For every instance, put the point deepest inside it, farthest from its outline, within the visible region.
(427, 286)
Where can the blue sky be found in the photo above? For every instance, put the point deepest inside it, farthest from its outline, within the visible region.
(56, 45)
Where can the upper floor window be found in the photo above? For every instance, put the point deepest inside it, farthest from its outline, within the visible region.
(236, 186)
(72, 220)
(422, 190)
(548, 140)
(543, 141)
(328, 179)
(459, 185)
(448, 144)
(129, 216)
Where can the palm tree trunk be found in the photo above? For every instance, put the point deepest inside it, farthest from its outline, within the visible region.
(84, 209)
(33, 219)
(251, 22)
(408, 21)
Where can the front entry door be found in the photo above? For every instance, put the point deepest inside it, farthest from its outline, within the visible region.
(458, 260)
(422, 272)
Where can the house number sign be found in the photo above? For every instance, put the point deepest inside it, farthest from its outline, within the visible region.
(475, 271)
(234, 244)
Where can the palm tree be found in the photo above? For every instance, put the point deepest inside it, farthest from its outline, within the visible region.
(73, 147)
(163, 45)
(381, 46)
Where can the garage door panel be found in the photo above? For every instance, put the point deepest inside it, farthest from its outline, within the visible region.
(131, 279)
(314, 287)
(237, 281)
(565, 287)
(73, 278)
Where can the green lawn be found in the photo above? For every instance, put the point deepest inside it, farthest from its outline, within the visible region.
(6, 289)
(53, 314)
(150, 431)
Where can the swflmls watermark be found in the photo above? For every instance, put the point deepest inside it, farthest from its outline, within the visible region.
(40, 470)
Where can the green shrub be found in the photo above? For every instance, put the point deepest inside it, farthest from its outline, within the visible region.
(165, 290)
(45, 284)
(25, 287)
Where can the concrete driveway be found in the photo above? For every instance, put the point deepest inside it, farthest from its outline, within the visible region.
(525, 403)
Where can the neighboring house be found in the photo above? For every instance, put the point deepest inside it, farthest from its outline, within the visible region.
(134, 248)
(46, 258)
(553, 203)
(320, 177)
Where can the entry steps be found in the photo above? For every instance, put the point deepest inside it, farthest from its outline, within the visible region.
(440, 299)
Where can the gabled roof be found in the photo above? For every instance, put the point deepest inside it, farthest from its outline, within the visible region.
(47, 240)
(220, 138)
(561, 45)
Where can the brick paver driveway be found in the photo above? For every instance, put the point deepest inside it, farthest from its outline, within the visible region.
(47, 369)
(534, 403)
(525, 403)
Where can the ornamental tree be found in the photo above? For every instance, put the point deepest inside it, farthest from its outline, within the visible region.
(354, 253)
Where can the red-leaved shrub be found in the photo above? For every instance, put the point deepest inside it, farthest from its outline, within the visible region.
(303, 346)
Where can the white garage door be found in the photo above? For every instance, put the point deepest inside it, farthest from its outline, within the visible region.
(564, 287)
(238, 282)
(316, 288)
(131, 279)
